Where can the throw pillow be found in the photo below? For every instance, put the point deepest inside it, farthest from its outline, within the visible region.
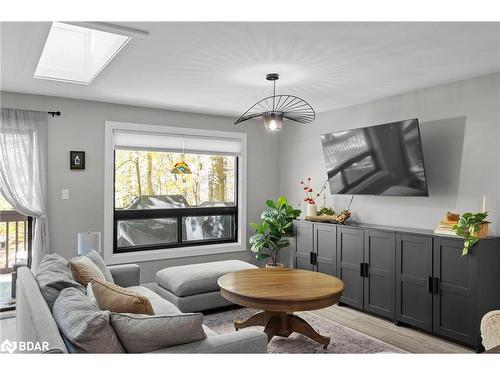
(144, 333)
(84, 325)
(83, 269)
(53, 276)
(121, 300)
(99, 262)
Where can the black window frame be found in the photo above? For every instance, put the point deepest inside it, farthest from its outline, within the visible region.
(178, 214)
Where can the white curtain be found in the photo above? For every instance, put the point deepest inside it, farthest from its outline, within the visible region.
(23, 171)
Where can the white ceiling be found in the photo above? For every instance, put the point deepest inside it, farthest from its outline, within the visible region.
(220, 67)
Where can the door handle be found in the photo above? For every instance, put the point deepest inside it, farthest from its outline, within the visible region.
(311, 257)
(430, 281)
(435, 286)
(315, 259)
(366, 269)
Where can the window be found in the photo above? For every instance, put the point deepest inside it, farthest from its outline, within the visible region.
(155, 209)
(77, 54)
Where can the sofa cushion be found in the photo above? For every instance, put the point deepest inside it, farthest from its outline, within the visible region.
(99, 262)
(84, 326)
(145, 333)
(53, 276)
(160, 305)
(197, 278)
(83, 269)
(117, 299)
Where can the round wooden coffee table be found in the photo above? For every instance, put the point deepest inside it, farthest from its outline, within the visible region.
(279, 292)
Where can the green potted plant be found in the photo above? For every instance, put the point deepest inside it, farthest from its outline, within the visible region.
(273, 232)
(471, 227)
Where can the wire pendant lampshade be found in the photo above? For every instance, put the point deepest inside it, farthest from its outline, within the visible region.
(274, 109)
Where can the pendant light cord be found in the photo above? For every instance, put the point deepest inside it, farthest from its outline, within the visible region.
(274, 93)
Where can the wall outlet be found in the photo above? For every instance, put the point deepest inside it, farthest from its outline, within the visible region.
(65, 194)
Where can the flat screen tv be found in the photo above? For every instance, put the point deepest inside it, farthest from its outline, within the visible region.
(384, 159)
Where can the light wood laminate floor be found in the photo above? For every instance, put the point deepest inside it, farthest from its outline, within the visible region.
(408, 339)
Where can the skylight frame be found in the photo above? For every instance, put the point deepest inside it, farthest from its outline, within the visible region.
(104, 28)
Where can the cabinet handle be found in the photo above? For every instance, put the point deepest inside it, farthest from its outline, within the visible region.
(435, 286)
(429, 284)
(366, 269)
(315, 259)
(311, 257)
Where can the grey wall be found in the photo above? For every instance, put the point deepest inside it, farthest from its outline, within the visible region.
(460, 127)
(81, 127)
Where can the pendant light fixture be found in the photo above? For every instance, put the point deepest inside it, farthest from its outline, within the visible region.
(181, 167)
(274, 109)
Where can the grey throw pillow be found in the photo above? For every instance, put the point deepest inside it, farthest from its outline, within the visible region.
(99, 262)
(146, 333)
(53, 276)
(84, 325)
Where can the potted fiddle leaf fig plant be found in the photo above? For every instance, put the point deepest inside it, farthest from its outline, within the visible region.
(273, 232)
(471, 227)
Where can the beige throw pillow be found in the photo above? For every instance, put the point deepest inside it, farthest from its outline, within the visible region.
(83, 269)
(120, 300)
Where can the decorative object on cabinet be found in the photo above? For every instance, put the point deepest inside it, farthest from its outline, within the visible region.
(445, 226)
(325, 211)
(77, 159)
(272, 233)
(471, 227)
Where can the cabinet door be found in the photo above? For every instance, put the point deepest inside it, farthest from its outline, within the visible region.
(453, 304)
(349, 258)
(325, 246)
(413, 280)
(379, 285)
(303, 245)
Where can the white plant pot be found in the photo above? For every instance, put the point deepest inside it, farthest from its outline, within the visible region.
(312, 210)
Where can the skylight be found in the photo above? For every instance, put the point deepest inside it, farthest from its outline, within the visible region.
(77, 54)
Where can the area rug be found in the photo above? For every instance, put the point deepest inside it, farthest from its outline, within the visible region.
(343, 339)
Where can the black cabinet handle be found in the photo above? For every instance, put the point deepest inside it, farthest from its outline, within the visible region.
(429, 284)
(315, 259)
(311, 257)
(435, 286)
(366, 269)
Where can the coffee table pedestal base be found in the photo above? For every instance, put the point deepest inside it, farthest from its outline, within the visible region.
(282, 324)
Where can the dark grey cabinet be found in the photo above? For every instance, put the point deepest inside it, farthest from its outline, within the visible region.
(303, 245)
(315, 247)
(414, 280)
(379, 274)
(349, 264)
(455, 283)
(408, 275)
(325, 248)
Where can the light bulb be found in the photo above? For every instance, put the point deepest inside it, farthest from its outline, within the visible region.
(273, 121)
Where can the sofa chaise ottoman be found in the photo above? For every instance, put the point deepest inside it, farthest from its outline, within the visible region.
(194, 287)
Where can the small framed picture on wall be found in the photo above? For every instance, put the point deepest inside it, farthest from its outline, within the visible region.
(77, 159)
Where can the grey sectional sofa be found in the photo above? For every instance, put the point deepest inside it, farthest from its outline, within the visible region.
(35, 322)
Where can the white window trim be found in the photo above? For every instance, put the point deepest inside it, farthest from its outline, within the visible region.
(179, 252)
